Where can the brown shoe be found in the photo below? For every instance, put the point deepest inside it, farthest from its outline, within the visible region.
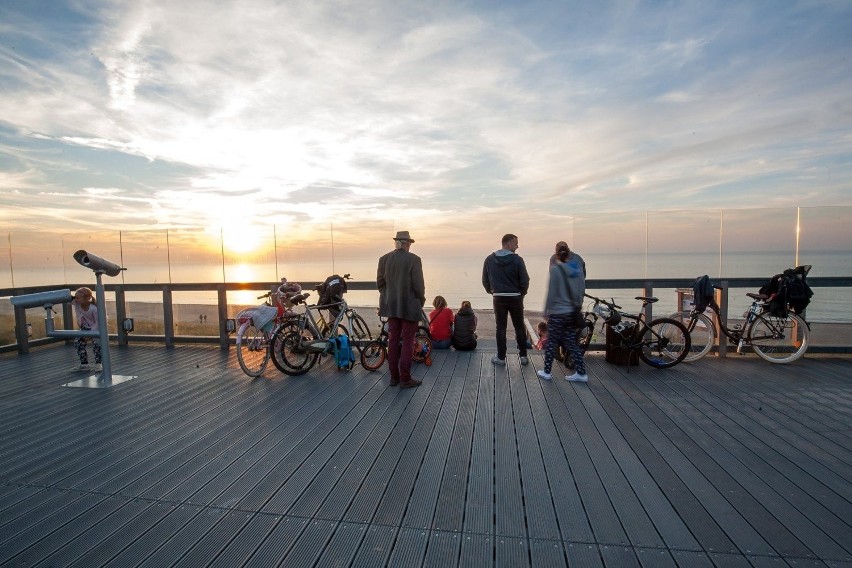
(394, 382)
(409, 384)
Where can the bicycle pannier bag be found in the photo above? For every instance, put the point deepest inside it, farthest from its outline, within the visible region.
(702, 293)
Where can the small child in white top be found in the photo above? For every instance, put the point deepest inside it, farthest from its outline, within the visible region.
(87, 319)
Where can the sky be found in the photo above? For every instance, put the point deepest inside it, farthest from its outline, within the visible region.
(455, 120)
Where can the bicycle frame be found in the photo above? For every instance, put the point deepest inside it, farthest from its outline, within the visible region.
(661, 343)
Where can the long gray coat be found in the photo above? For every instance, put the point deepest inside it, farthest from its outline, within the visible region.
(402, 291)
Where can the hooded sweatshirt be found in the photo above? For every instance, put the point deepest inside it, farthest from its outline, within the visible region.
(505, 274)
(558, 296)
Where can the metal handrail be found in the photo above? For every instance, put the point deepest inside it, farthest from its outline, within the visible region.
(169, 338)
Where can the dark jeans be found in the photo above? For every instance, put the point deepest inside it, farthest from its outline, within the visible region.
(400, 353)
(504, 307)
(562, 333)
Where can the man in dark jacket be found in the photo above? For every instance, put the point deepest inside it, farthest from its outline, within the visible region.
(402, 294)
(504, 276)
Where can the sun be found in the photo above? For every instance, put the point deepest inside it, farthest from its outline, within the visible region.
(241, 239)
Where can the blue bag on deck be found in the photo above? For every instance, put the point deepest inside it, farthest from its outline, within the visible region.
(343, 352)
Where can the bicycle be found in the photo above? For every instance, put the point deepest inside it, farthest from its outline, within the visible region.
(301, 342)
(775, 338)
(375, 353)
(257, 328)
(662, 343)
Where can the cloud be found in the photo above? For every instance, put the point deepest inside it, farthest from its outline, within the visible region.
(313, 111)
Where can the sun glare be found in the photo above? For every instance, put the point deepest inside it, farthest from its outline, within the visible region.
(241, 239)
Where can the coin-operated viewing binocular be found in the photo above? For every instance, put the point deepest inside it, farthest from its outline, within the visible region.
(97, 263)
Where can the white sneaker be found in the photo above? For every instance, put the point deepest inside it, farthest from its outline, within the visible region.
(498, 361)
(577, 378)
(525, 361)
(81, 367)
(98, 367)
(542, 374)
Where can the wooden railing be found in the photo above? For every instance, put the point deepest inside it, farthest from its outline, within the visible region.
(169, 338)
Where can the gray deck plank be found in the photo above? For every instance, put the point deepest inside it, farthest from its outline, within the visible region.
(718, 463)
(784, 497)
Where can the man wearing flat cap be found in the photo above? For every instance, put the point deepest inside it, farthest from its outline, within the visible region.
(402, 294)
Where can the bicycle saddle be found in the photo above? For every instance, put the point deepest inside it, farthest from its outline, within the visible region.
(299, 298)
(647, 299)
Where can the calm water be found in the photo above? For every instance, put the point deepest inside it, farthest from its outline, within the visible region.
(458, 278)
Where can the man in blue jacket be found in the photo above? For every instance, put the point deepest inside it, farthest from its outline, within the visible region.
(504, 276)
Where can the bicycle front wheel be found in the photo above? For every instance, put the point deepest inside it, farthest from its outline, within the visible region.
(373, 355)
(293, 351)
(422, 349)
(252, 349)
(702, 334)
(779, 339)
(359, 332)
(292, 324)
(665, 343)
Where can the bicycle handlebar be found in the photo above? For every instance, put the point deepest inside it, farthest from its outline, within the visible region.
(611, 303)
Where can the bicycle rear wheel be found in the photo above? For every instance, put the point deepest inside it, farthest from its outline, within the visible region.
(665, 343)
(252, 349)
(373, 355)
(293, 351)
(702, 334)
(291, 324)
(779, 339)
(584, 339)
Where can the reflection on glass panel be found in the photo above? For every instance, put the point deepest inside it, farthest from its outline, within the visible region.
(612, 244)
(37, 258)
(195, 255)
(146, 257)
(683, 243)
(757, 242)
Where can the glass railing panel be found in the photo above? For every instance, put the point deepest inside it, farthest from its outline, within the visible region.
(683, 244)
(758, 242)
(6, 280)
(195, 255)
(147, 313)
(38, 258)
(146, 256)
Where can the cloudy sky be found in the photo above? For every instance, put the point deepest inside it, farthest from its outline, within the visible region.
(429, 116)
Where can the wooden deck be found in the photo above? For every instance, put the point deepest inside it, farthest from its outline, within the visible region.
(731, 462)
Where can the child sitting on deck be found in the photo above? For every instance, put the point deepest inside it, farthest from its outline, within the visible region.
(541, 328)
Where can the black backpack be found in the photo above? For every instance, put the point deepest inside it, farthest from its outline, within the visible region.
(331, 291)
(702, 293)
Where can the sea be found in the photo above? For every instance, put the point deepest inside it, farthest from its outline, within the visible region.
(458, 278)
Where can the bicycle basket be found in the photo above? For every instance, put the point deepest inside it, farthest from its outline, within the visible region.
(609, 315)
